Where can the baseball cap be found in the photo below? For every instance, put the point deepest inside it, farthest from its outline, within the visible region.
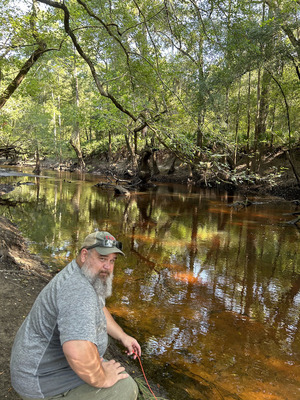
(104, 242)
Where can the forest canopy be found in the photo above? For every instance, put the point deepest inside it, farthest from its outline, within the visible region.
(194, 77)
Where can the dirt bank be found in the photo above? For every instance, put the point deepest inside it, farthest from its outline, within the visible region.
(278, 174)
(22, 276)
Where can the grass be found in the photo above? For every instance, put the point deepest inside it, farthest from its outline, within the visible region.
(144, 392)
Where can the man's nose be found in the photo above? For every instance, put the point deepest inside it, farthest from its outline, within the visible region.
(106, 265)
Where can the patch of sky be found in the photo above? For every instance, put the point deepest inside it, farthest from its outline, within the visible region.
(177, 298)
(128, 271)
(297, 299)
(153, 347)
(197, 267)
(148, 289)
(273, 291)
(204, 276)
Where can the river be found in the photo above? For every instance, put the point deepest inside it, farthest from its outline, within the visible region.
(211, 291)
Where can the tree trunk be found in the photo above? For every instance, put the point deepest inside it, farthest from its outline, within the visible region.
(293, 167)
(248, 121)
(263, 98)
(172, 167)
(263, 109)
(133, 157)
(16, 82)
(109, 147)
(60, 130)
(286, 107)
(54, 122)
(237, 121)
(256, 131)
(201, 97)
(273, 124)
(37, 169)
(199, 139)
(135, 143)
(75, 136)
(155, 168)
(144, 170)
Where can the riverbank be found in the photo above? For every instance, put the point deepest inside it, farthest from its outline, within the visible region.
(278, 172)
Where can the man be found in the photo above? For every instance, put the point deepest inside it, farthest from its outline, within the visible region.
(58, 349)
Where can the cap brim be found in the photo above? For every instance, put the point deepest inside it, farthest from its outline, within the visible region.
(105, 251)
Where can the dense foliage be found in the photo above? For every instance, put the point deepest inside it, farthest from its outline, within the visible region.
(199, 78)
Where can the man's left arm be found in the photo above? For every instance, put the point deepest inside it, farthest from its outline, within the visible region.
(116, 332)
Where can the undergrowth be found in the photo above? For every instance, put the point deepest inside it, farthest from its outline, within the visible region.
(144, 392)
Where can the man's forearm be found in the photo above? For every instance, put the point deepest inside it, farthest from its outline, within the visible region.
(84, 359)
(113, 329)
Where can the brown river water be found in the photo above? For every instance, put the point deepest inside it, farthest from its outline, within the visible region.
(211, 291)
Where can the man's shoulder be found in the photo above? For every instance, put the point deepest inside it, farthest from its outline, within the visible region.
(73, 288)
(70, 276)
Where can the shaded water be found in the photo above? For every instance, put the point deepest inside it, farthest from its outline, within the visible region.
(212, 293)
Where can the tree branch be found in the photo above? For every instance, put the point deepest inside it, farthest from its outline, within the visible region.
(16, 82)
(107, 28)
(287, 30)
(86, 58)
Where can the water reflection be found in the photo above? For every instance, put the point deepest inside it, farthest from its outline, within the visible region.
(212, 292)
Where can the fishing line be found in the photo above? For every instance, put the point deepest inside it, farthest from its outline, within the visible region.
(144, 374)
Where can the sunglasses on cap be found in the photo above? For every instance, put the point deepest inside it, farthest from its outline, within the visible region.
(108, 243)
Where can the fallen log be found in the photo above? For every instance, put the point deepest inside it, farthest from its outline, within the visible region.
(120, 190)
(241, 204)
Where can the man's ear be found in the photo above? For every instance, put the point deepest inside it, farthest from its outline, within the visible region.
(83, 255)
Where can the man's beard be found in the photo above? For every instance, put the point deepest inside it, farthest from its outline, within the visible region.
(102, 286)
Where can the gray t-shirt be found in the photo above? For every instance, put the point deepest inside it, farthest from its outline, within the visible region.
(68, 308)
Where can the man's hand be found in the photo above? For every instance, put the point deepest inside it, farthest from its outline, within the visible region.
(131, 345)
(113, 372)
